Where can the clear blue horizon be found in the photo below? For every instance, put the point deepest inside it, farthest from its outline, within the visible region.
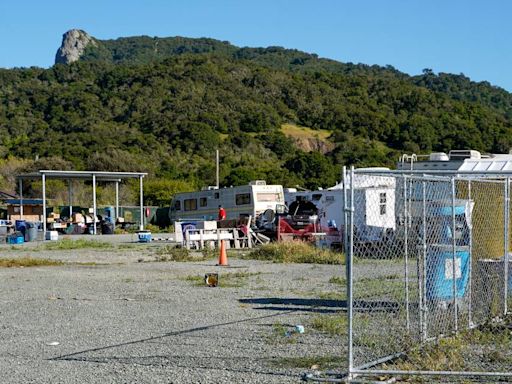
(447, 36)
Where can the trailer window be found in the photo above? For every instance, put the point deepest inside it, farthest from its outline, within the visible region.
(316, 196)
(177, 205)
(243, 198)
(216, 195)
(268, 197)
(190, 204)
(382, 203)
(203, 202)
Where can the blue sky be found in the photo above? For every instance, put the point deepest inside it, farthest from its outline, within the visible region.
(470, 37)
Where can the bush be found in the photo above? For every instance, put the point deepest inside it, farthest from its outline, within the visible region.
(295, 252)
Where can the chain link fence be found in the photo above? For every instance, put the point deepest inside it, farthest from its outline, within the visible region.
(428, 276)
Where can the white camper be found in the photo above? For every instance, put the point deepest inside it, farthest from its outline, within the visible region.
(242, 201)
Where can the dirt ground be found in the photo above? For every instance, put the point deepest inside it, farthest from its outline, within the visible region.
(117, 315)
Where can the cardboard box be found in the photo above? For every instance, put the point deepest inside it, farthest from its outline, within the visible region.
(78, 218)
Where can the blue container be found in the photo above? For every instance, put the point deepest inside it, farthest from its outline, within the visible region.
(144, 236)
(16, 239)
(21, 226)
(110, 214)
(440, 272)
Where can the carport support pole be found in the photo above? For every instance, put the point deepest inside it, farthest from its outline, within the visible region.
(21, 198)
(70, 198)
(43, 177)
(117, 201)
(141, 204)
(94, 203)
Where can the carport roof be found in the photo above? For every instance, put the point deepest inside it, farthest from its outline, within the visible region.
(100, 175)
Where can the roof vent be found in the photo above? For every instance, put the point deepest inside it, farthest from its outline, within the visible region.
(258, 182)
(438, 156)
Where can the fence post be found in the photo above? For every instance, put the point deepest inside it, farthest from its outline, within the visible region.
(454, 262)
(506, 239)
(406, 256)
(423, 278)
(470, 261)
(349, 260)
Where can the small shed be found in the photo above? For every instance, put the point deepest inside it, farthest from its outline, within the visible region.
(32, 209)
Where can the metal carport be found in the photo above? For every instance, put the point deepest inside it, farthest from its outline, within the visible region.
(115, 177)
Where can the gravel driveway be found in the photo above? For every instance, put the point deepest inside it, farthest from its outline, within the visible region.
(118, 316)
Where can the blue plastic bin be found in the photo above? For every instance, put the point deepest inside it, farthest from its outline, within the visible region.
(440, 272)
(20, 226)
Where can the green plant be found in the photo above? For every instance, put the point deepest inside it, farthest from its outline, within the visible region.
(174, 253)
(338, 280)
(295, 252)
(331, 324)
(67, 244)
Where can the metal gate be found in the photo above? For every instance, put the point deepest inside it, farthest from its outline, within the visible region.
(428, 275)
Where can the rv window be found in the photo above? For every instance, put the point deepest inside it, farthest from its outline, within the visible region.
(216, 195)
(203, 202)
(177, 205)
(190, 204)
(316, 196)
(268, 197)
(382, 203)
(243, 198)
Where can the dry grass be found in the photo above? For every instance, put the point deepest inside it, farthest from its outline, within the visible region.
(295, 252)
(299, 132)
(28, 262)
(67, 244)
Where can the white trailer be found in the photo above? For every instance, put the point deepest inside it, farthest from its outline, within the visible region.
(374, 194)
(242, 201)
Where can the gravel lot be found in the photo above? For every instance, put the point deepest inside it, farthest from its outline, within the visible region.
(119, 316)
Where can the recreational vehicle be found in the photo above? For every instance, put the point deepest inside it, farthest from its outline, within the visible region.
(375, 194)
(242, 201)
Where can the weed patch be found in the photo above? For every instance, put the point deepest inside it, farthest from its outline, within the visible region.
(226, 280)
(335, 325)
(308, 362)
(295, 252)
(172, 253)
(338, 281)
(67, 244)
(28, 262)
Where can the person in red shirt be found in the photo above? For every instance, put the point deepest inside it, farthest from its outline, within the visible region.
(222, 213)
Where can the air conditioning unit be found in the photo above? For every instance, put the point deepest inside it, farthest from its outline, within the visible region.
(464, 154)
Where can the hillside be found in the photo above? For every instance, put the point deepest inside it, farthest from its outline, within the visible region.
(145, 49)
(120, 108)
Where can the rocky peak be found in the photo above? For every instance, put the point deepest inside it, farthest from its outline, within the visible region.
(73, 46)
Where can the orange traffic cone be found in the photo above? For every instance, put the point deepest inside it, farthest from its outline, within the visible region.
(223, 257)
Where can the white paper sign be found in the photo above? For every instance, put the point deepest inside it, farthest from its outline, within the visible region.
(448, 268)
